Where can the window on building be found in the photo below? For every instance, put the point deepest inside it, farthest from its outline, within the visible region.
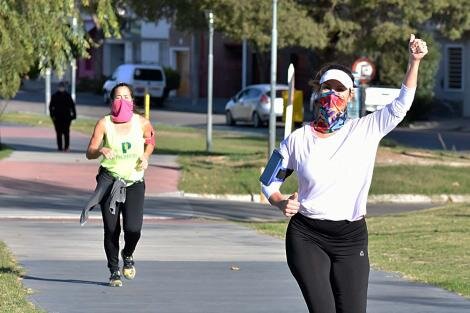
(454, 67)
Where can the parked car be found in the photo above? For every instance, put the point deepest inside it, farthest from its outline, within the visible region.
(254, 104)
(140, 77)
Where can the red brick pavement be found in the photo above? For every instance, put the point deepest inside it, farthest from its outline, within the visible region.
(40, 174)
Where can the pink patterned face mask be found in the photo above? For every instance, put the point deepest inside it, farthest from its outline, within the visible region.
(332, 113)
(121, 110)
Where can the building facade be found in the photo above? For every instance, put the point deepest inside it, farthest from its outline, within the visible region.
(453, 77)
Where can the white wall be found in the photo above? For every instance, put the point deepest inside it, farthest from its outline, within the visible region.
(454, 95)
(150, 52)
(128, 52)
(160, 30)
(150, 46)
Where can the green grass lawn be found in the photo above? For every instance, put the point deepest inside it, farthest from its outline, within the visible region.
(420, 179)
(12, 293)
(430, 246)
(5, 151)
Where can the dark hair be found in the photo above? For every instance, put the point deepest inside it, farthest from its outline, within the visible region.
(315, 83)
(121, 84)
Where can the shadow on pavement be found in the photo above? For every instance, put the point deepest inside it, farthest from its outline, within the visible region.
(72, 281)
(38, 148)
(26, 187)
(31, 148)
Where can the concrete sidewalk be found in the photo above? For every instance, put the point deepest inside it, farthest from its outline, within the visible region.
(184, 264)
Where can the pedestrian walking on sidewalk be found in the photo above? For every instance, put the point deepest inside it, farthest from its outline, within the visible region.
(125, 141)
(62, 112)
(326, 239)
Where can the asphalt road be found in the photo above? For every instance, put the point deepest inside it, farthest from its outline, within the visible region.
(432, 139)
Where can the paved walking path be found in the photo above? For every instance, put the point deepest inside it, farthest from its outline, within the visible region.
(184, 264)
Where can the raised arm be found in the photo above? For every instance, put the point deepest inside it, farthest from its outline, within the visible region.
(381, 122)
(417, 50)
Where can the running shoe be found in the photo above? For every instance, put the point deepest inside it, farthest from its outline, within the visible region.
(128, 269)
(115, 279)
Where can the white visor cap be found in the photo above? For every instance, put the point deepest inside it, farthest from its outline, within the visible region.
(338, 75)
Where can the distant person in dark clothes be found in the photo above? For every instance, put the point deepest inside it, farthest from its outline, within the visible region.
(62, 111)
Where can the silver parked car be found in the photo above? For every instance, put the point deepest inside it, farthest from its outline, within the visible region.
(254, 104)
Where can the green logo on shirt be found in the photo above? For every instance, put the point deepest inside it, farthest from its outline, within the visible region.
(125, 146)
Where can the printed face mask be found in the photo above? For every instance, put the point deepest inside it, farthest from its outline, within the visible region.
(121, 110)
(332, 113)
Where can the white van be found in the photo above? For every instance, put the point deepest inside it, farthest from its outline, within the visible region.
(140, 77)
(378, 97)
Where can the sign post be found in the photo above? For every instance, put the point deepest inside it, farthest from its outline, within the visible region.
(210, 66)
(365, 70)
(290, 101)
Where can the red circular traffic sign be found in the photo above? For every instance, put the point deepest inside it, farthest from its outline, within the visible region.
(365, 69)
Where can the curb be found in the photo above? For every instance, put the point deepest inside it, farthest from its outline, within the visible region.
(75, 218)
(230, 197)
(390, 198)
(413, 198)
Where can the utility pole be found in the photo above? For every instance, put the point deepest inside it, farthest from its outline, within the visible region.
(272, 113)
(210, 66)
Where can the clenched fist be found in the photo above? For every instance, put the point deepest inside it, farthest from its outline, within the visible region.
(417, 47)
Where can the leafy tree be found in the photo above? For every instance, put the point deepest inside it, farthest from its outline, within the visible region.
(379, 29)
(238, 20)
(337, 30)
(39, 34)
(251, 20)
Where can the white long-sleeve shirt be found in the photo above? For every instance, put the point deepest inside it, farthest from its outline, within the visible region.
(335, 173)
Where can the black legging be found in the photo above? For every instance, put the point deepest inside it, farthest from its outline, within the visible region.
(132, 217)
(62, 128)
(329, 260)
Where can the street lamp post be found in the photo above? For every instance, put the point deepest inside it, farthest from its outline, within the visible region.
(73, 79)
(272, 113)
(73, 63)
(244, 61)
(209, 82)
(47, 99)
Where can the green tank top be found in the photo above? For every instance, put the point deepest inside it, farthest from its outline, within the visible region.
(127, 148)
